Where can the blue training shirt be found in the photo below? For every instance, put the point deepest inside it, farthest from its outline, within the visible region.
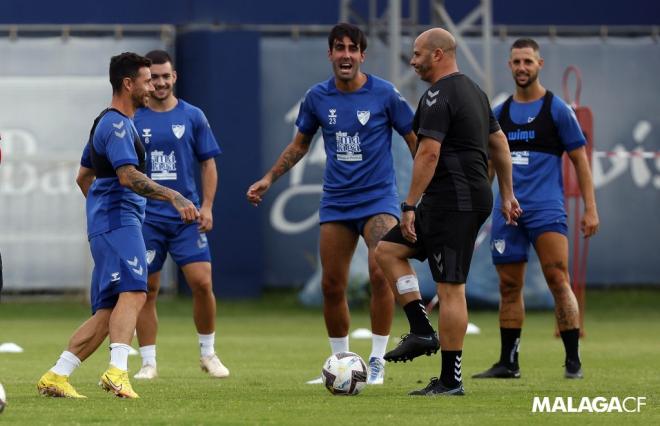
(541, 172)
(109, 205)
(357, 135)
(174, 140)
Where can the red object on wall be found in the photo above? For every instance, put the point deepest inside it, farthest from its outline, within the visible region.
(572, 194)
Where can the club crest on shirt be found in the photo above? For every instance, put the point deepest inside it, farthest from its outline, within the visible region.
(363, 116)
(178, 130)
(499, 245)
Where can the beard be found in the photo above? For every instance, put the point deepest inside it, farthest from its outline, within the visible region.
(531, 78)
(140, 100)
(423, 72)
(345, 77)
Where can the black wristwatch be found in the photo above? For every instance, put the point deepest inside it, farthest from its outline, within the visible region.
(407, 207)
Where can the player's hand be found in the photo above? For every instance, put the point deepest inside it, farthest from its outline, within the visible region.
(589, 223)
(408, 226)
(186, 208)
(511, 210)
(256, 192)
(205, 219)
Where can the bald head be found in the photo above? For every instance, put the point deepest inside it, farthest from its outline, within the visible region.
(438, 38)
(434, 55)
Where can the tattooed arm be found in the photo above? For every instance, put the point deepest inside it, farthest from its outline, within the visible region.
(289, 157)
(136, 181)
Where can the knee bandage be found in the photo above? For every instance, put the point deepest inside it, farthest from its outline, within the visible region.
(407, 284)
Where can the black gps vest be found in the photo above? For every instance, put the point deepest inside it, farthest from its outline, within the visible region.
(539, 135)
(102, 166)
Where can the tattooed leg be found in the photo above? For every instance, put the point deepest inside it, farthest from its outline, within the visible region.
(552, 249)
(382, 298)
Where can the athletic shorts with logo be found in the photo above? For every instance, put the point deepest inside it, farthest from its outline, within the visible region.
(356, 214)
(510, 244)
(120, 265)
(446, 239)
(183, 241)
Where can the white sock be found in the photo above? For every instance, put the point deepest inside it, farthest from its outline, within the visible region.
(338, 344)
(66, 364)
(378, 346)
(206, 344)
(119, 355)
(148, 354)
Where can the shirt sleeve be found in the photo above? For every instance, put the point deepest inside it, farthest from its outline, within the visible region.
(434, 119)
(206, 146)
(116, 142)
(568, 127)
(400, 113)
(307, 122)
(497, 111)
(493, 125)
(86, 158)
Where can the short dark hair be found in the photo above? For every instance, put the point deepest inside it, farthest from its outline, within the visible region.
(127, 64)
(522, 43)
(159, 57)
(344, 29)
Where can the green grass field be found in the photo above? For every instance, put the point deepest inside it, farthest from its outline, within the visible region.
(273, 346)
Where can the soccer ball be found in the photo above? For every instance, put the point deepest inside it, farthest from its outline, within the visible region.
(344, 373)
(3, 398)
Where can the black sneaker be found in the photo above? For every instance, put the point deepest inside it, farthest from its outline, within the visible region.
(435, 387)
(413, 345)
(499, 371)
(573, 369)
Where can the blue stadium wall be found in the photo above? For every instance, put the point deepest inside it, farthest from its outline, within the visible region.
(509, 12)
(219, 72)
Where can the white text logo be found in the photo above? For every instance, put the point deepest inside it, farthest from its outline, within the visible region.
(332, 116)
(599, 404)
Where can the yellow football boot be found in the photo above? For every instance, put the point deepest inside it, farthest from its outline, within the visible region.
(54, 385)
(116, 381)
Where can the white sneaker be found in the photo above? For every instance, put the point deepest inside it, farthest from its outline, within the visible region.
(376, 371)
(147, 372)
(212, 365)
(318, 381)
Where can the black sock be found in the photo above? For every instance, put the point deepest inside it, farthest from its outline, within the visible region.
(571, 339)
(451, 374)
(418, 319)
(510, 341)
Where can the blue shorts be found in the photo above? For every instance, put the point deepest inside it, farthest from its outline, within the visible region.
(510, 244)
(183, 241)
(356, 214)
(120, 265)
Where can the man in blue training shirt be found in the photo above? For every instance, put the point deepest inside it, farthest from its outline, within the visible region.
(539, 127)
(356, 113)
(175, 134)
(111, 177)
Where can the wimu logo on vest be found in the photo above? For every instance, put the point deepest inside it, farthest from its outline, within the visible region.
(521, 135)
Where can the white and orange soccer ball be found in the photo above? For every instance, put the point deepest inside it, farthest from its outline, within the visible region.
(344, 373)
